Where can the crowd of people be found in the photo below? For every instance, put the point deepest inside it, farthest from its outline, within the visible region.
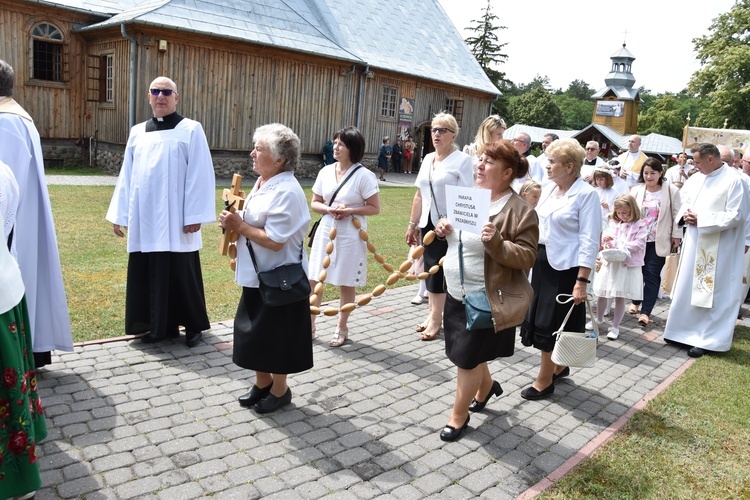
(563, 223)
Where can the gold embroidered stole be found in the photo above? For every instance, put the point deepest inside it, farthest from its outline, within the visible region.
(707, 245)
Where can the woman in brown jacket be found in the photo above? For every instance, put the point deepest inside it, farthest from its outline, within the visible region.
(497, 261)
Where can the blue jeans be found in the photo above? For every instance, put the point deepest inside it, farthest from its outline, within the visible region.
(652, 265)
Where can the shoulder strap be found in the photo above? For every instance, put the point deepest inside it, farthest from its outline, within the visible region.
(432, 192)
(359, 165)
(252, 254)
(461, 263)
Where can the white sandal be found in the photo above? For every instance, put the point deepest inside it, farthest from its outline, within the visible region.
(339, 337)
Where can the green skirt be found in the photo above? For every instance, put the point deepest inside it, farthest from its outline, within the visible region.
(22, 424)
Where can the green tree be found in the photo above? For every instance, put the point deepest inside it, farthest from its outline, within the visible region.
(536, 108)
(647, 97)
(578, 89)
(690, 105)
(487, 49)
(577, 113)
(724, 77)
(537, 81)
(662, 117)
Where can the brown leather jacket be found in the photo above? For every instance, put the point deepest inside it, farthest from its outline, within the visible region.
(508, 257)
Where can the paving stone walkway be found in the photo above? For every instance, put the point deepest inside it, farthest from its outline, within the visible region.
(131, 420)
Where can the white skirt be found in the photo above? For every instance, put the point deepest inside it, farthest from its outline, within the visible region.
(615, 280)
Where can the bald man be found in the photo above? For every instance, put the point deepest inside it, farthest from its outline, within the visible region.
(165, 192)
(631, 161)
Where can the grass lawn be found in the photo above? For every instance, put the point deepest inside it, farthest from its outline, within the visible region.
(75, 171)
(692, 441)
(94, 260)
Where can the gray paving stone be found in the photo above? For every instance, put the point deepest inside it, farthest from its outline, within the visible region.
(76, 470)
(153, 467)
(244, 492)
(118, 476)
(153, 421)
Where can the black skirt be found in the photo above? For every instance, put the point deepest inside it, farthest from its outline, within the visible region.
(467, 348)
(432, 254)
(545, 315)
(272, 339)
(164, 291)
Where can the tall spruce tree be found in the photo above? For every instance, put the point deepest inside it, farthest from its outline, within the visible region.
(487, 49)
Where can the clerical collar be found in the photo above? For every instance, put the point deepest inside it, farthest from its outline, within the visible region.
(166, 123)
(589, 162)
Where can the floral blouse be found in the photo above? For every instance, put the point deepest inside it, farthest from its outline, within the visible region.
(651, 206)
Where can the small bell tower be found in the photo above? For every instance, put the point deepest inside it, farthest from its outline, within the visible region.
(617, 103)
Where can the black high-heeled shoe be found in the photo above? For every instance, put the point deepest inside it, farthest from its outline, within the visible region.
(450, 433)
(476, 406)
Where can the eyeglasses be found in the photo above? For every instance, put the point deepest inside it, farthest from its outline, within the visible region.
(518, 140)
(164, 92)
(590, 149)
(440, 130)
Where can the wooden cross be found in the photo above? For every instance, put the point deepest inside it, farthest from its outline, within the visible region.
(234, 199)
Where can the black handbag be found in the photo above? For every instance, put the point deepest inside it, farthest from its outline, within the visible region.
(284, 284)
(314, 228)
(476, 304)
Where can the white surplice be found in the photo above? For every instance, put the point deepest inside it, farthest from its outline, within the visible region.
(34, 236)
(711, 328)
(167, 182)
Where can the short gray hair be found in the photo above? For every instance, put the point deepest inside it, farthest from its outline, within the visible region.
(706, 149)
(6, 79)
(282, 142)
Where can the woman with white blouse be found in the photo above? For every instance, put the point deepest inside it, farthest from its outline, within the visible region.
(446, 166)
(490, 130)
(569, 226)
(358, 197)
(272, 340)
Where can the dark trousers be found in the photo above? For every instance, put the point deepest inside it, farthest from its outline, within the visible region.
(652, 265)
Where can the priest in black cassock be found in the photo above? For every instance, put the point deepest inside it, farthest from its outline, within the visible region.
(164, 194)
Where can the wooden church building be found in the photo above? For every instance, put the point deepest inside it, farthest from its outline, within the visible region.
(83, 68)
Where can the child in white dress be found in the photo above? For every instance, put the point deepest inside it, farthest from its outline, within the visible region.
(623, 250)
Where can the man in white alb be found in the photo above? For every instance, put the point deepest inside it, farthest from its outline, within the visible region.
(631, 161)
(165, 192)
(591, 161)
(707, 292)
(34, 234)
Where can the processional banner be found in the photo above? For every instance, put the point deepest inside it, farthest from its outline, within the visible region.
(736, 139)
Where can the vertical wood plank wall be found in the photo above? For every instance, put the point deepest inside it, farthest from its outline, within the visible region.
(231, 87)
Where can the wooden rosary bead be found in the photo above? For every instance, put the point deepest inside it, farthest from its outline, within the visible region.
(405, 266)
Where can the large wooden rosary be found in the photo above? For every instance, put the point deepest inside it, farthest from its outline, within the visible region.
(234, 199)
(378, 290)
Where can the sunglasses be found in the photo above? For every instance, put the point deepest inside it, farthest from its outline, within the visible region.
(590, 149)
(440, 130)
(164, 92)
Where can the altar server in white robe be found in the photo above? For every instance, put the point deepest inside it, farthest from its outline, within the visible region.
(708, 289)
(165, 192)
(34, 235)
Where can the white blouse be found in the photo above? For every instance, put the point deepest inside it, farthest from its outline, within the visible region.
(280, 208)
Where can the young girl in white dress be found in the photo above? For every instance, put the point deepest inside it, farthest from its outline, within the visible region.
(621, 278)
(603, 183)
